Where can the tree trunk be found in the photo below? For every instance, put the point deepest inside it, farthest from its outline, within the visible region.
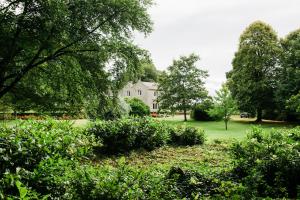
(226, 124)
(184, 111)
(259, 115)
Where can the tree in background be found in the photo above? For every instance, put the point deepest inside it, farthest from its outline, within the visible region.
(200, 111)
(138, 107)
(149, 72)
(288, 85)
(252, 80)
(182, 85)
(224, 105)
(55, 54)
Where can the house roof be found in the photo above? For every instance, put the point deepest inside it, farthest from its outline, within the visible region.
(150, 85)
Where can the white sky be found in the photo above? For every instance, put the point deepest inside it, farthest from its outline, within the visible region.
(211, 29)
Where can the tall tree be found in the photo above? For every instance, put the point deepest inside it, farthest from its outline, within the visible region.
(252, 79)
(224, 105)
(289, 74)
(34, 34)
(182, 85)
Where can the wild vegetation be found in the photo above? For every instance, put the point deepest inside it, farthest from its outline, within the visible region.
(69, 59)
(35, 164)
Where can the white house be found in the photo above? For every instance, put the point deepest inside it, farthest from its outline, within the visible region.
(146, 91)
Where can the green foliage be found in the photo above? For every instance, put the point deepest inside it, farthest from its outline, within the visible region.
(269, 163)
(224, 105)
(25, 147)
(126, 134)
(67, 180)
(28, 143)
(187, 136)
(182, 85)
(138, 107)
(194, 185)
(149, 72)
(288, 80)
(200, 111)
(111, 108)
(294, 102)
(64, 66)
(253, 79)
(123, 135)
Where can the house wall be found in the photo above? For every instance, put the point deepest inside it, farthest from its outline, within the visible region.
(147, 94)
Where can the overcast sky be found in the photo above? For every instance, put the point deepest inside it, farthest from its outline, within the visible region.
(211, 29)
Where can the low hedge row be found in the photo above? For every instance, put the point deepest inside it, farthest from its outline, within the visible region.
(124, 135)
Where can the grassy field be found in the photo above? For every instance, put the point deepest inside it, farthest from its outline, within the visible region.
(237, 127)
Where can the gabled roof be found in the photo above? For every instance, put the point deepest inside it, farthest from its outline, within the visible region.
(150, 85)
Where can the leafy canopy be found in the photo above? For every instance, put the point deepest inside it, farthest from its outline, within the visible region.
(252, 79)
(182, 85)
(57, 49)
(288, 81)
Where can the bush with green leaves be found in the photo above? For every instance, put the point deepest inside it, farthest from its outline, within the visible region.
(195, 185)
(200, 111)
(187, 136)
(126, 134)
(24, 146)
(138, 107)
(66, 179)
(268, 163)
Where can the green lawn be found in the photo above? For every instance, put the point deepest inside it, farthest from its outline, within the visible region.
(237, 128)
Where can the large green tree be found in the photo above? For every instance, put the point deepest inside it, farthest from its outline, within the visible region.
(289, 74)
(252, 80)
(182, 85)
(57, 40)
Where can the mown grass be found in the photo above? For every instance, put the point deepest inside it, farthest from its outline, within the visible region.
(237, 128)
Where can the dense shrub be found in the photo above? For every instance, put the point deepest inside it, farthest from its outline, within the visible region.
(126, 134)
(66, 179)
(25, 146)
(138, 107)
(200, 112)
(269, 163)
(187, 136)
(195, 185)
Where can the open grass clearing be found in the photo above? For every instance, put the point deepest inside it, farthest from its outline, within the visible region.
(237, 127)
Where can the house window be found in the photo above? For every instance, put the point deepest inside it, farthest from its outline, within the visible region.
(155, 106)
(155, 93)
(140, 92)
(128, 93)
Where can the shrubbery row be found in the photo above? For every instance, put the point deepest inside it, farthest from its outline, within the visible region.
(124, 135)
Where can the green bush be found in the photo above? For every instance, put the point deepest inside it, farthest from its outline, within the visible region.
(126, 134)
(187, 136)
(24, 147)
(65, 179)
(269, 163)
(194, 185)
(26, 144)
(200, 111)
(138, 107)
